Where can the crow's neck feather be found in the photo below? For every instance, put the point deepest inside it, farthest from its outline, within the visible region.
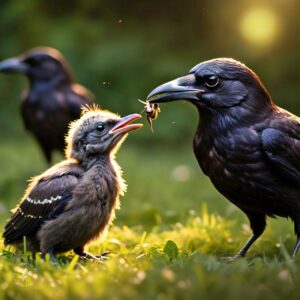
(223, 120)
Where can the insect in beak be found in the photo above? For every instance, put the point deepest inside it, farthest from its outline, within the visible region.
(152, 110)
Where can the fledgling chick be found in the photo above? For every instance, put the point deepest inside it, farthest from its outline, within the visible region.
(73, 202)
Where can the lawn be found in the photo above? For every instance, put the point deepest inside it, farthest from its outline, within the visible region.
(170, 240)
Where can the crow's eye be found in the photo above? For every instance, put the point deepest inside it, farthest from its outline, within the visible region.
(31, 61)
(211, 81)
(100, 127)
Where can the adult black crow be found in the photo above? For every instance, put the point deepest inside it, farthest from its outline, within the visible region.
(53, 99)
(74, 201)
(248, 146)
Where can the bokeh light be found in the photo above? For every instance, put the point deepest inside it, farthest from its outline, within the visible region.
(260, 26)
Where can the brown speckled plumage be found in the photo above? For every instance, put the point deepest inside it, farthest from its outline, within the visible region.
(74, 201)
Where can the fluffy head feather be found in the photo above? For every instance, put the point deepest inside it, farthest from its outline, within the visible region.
(84, 137)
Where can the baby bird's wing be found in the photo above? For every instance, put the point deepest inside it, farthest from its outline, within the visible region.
(45, 199)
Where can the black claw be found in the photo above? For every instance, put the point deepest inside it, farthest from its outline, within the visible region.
(103, 256)
(232, 258)
(88, 256)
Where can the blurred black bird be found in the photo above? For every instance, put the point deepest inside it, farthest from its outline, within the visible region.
(248, 146)
(74, 201)
(53, 99)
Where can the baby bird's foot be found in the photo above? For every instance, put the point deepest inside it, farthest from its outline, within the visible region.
(103, 256)
(86, 255)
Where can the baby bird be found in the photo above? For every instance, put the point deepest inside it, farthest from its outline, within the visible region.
(74, 201)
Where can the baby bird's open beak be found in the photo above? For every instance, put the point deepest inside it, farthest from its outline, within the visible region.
(124, 125)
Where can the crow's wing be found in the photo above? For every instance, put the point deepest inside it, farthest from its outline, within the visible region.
(44, 200)
(282, 149)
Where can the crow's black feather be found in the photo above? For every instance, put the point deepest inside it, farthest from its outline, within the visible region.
(248, 146)
(53, 99)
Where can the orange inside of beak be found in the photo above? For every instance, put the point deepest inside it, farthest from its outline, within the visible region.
(124, 125)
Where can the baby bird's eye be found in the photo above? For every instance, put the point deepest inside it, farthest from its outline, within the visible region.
(211, 81)
(100, 127)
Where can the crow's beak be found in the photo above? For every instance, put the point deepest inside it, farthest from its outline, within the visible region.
(13, 65)
(124, 125)
(179, 89)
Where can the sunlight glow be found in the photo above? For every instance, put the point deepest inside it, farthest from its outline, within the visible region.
(259, 26)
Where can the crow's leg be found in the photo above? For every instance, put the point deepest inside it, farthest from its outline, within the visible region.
(103, 255)
(83, 254)
(46, 151)
(258, 225)
(297, 232)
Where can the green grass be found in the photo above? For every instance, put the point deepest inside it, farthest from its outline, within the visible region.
(169, 241)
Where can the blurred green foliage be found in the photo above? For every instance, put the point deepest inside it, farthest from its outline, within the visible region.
(122, 49)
